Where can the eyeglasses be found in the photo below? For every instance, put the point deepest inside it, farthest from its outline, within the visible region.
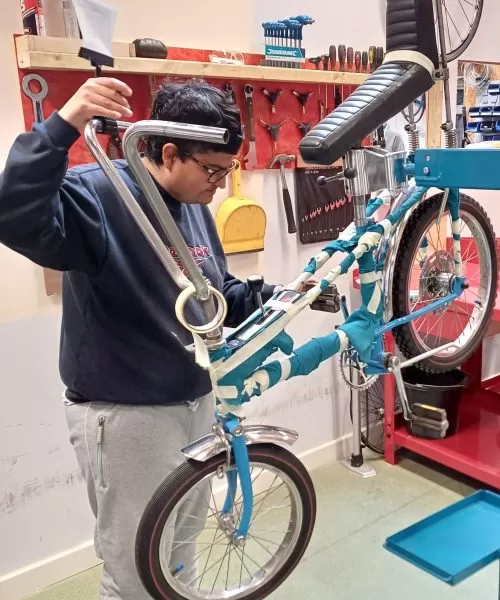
(215, 175)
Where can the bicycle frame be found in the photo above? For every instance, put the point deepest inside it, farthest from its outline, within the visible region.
(361, 240)
(237, 365)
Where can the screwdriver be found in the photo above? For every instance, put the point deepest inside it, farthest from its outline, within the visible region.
(333, 57)
(357, 64)
(357, 61)
(332, 51)
(372, 58)
(342, 57)
(364, 61)
(350, 61)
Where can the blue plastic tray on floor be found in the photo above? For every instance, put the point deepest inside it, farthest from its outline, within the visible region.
(455, 542)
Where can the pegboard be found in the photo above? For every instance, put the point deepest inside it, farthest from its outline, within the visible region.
(63, 84)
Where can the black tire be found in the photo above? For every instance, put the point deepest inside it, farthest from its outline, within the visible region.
(454, 53)
(183, 479)
(372, 415)
(418, 223)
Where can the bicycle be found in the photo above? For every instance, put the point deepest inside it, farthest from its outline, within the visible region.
(250, 464)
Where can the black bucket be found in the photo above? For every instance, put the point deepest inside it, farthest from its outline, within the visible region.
(441, 390)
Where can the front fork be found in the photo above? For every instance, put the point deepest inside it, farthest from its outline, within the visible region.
(235, 440)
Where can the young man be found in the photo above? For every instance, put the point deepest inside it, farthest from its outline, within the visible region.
(135, 395)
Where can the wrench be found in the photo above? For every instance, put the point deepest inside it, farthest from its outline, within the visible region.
(36, 97)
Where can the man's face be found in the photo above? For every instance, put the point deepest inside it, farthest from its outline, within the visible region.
(196, 177)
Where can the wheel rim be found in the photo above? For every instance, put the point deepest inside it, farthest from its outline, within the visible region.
(429, 278)
(223, 570)
(371, 412)
(461, 20)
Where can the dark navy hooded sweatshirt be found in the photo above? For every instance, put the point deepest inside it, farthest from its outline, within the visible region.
(120, 339)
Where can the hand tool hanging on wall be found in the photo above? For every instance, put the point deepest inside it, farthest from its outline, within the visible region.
(303, 127)
(322, 211)
(272, 97)
(321, 110)
(273, 129)
(302, 99)
(228, 88)
(333, 65)
(379, 56)
(115, 150)
(240, 221)
(315, 61)
(332, 53)
(372, 51)
(282, 160)
(350, 64)
(342, 58)
(364, 61)
(37, 97)
(251, 157)
(357, 61)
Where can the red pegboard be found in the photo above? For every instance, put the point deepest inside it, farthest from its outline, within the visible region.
(63, 84)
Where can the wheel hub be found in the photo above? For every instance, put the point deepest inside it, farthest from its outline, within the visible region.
(227, 522)
(436, 278)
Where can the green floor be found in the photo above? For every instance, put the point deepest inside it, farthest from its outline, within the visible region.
(346, 559)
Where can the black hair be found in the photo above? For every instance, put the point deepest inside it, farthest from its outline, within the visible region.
(199, 103)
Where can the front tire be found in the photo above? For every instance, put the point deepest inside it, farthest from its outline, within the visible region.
(276, 560)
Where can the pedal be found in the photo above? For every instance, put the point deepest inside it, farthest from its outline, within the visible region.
(327, 301)
(429, 422)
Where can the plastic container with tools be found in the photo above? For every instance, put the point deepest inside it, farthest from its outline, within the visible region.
(438, 390)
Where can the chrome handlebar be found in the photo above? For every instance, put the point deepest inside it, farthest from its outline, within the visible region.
(132, 135)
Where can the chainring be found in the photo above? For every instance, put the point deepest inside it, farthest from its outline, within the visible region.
(349, 366)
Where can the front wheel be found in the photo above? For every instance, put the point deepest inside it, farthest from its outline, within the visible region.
(185, 547)
(424, 271)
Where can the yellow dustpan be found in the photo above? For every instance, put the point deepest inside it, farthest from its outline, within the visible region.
(240, 221)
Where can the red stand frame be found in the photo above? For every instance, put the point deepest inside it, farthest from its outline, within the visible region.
(474, 449)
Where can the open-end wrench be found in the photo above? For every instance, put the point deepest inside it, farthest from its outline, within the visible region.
(36, 97)
(251, 157)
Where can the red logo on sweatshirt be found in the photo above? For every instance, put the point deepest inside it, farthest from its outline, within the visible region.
(199, 253)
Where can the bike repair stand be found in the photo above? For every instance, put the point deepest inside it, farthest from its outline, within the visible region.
(355, 462)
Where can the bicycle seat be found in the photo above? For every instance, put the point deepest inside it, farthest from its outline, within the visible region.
(406, 73)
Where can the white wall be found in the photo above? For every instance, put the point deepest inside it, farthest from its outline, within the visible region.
(43, 508)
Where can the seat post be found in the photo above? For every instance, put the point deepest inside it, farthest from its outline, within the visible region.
(357, 185)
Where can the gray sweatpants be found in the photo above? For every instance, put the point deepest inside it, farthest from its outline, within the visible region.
(124, 453)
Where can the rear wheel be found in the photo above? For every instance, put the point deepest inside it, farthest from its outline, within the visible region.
(200, 559)
(424, 271)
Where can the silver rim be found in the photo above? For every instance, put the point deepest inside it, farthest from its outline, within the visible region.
(430, 271)
(460, 19)
(214, 567)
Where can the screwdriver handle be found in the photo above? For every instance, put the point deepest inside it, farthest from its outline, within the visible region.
(350, 58)
(342, 56)
(357, 60)
(333, 57)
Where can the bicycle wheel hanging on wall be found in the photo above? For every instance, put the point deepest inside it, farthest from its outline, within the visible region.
(460, 20)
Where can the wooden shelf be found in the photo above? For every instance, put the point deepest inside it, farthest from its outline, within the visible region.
(62, 54)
